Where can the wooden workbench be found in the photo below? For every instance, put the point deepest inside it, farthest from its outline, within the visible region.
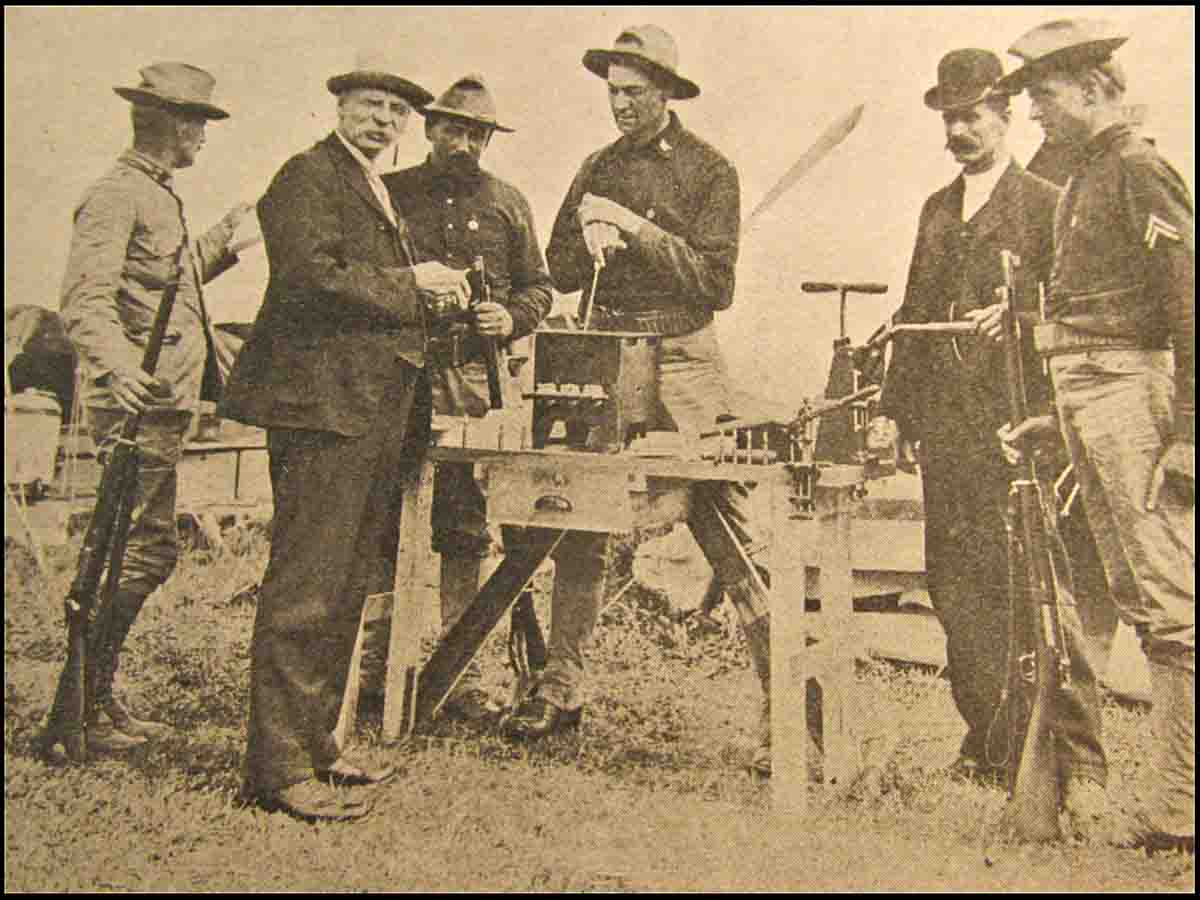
(614, 492)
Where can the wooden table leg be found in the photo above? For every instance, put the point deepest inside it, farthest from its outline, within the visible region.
(413, 600)
(841, 724)
(789, 724)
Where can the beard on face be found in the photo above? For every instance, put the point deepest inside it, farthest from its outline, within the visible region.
(961, 145)
(462, 165)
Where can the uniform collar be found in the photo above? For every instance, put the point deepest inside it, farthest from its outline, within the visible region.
(137, 160)
(662, 146)
(439, 181)
(1105, 139)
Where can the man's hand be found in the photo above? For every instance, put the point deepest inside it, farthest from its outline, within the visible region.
(493, 320)
(601, 209)
(602, 238)
(135, 390)
(234, 217)
(908, 456)
(450, 286)
(1177, 465)
(1015, 441)
(989, 321)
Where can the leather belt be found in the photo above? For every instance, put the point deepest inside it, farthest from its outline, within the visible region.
(1055, 338)
(667, 322)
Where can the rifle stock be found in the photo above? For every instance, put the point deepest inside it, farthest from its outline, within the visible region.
(1039, 574)
(103, 547)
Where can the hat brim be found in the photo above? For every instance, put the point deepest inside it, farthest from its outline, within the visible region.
(941, 101)
(140, 95)
(598, 61)
(383, 81)
(1090, 52)
(435, 109)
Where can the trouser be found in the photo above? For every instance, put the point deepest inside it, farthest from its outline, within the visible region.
(459, 520)
(334, 541)
(152, 545)
(1115, 411)
(966, 557)
(693, 392)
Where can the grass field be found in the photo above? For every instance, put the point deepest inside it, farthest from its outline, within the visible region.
(651, 794)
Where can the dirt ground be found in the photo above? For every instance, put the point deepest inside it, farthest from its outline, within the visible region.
(652, 794)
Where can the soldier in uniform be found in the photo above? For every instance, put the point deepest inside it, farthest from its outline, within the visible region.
(129, 230)
(659, 210)
(1119, 336)
(945, 395)
(456, 211)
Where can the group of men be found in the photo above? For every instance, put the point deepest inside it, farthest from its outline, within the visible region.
(1113, 255)
(359, 340)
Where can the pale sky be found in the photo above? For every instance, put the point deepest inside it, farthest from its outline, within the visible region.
(771, 79)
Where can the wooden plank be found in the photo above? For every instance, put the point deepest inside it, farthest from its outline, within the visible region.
(455, 652)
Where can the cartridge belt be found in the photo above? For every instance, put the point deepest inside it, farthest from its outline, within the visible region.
(668, 322)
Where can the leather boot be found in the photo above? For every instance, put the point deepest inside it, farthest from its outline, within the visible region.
(756, 628)
(1170, 804)
(123, 730)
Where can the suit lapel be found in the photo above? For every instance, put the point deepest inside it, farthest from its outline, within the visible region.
(353, 174)
(999, 208)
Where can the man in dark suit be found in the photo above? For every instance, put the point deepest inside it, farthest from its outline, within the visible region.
(950, 397)
(334, 370)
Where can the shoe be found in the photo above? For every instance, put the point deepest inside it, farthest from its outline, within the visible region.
(1085, 803)
(967, 768)
(1133, 832)
(127, 722)
(314, 801)
(537, 718)
(344, 774)
(470, 705)
(104, 737)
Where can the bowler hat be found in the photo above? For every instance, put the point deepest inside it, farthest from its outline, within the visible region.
(370, 71)
(965, 77)
(175, 84)
(1062, 44)
(468, 98)
(646, 45)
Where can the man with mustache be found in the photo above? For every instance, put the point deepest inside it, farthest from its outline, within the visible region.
(334, 370)
(457, 211)
(659, 210)
(129, 231)
(1120, 342)
(949, 397)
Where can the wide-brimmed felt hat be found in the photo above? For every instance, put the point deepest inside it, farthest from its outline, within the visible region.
(175, 84)
(468, 98)
(372, 71)
(1062, 44)
(645, 45)
(965, 77)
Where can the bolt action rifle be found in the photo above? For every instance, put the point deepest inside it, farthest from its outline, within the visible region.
(103, 549)
(481, 292)
(1039, 584)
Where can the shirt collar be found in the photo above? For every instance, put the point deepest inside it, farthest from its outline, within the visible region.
(143, 163)
(438, 180)
(369, 166)
(987, 180)
(663, 145)
(1105, 139)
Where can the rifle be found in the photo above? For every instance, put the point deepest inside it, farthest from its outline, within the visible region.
(481, 292)
(1039, 579)
(103, 547)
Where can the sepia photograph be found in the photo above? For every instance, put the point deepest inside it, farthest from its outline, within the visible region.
(627, 449)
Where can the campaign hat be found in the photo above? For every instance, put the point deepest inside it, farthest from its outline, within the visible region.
(175, 84)
(647, 46)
